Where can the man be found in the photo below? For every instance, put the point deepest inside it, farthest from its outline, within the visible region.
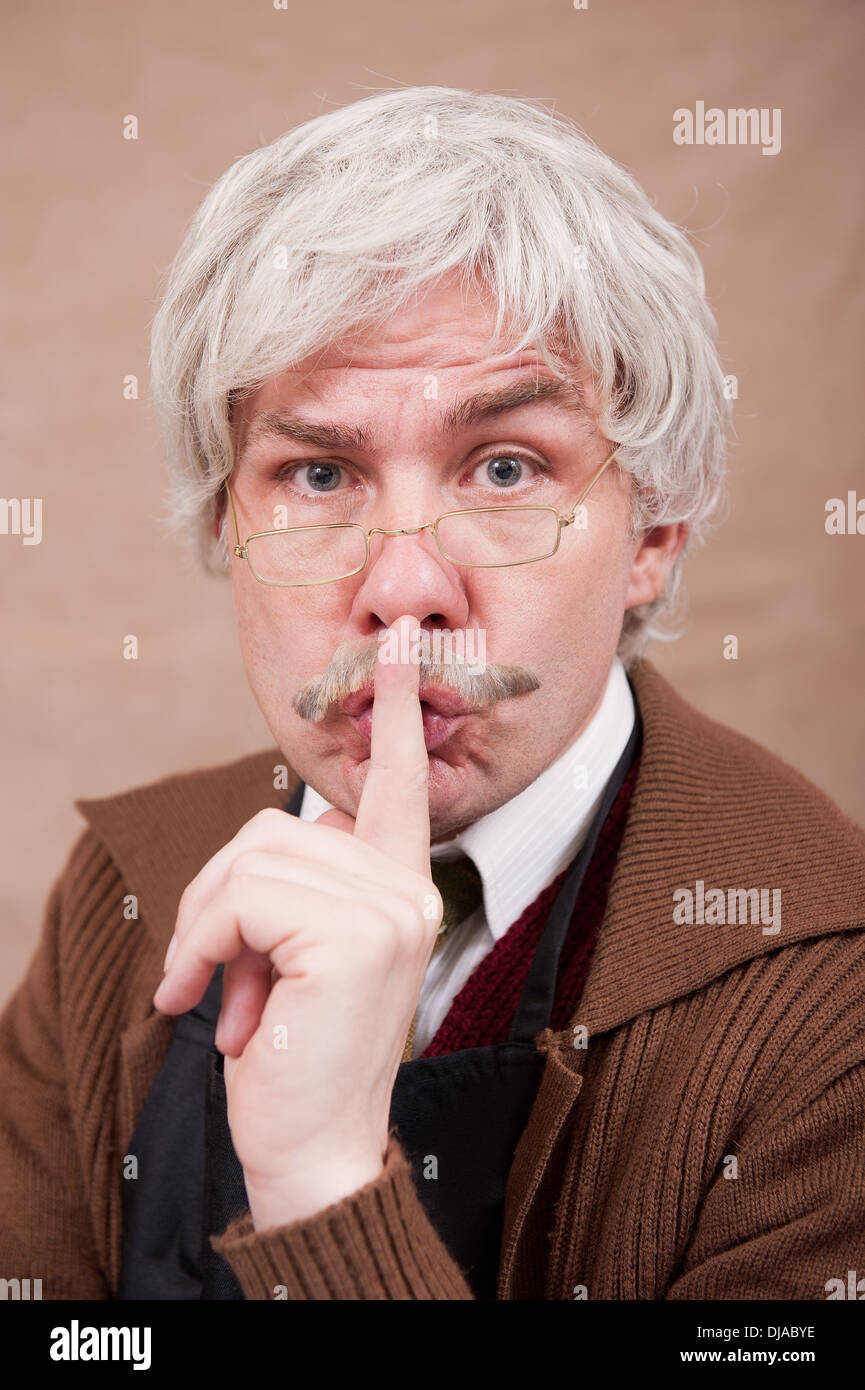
(505, 973)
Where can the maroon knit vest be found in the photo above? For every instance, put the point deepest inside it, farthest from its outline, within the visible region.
(484, 1009)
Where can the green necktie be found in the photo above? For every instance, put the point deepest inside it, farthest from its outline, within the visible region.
(462, 892)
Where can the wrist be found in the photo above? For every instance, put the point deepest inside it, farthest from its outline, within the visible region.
(307, 1190)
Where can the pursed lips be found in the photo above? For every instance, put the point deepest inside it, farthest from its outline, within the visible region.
(442, 709)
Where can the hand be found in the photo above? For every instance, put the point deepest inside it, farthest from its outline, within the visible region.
(325, 930)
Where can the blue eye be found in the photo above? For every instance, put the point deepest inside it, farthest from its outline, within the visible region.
(323, 477)
(504, 469)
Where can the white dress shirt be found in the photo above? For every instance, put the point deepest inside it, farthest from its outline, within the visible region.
(520, 847)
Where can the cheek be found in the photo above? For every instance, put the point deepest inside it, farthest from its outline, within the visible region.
(267, 636)
(248, 616)
(535, 616)
(581, 588)
(560, 617)
(593, 582)
(285, 638)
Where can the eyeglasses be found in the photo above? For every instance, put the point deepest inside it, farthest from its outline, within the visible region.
(475, 538)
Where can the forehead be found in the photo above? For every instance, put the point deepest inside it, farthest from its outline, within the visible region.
(463, 413)
(437, 349)
(448, 325)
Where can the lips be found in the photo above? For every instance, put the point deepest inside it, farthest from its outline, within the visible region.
(442, 710)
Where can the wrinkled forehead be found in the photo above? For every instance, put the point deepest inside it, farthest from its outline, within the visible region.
(440, 347)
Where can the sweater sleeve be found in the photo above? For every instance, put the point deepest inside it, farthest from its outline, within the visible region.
(377, 1243)
(46, 1230)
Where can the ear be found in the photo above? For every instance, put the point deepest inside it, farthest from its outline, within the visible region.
(657, 552)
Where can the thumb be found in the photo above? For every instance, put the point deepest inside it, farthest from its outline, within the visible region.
(338, 820)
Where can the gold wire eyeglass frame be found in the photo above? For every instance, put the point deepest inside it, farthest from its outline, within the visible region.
(563, 519)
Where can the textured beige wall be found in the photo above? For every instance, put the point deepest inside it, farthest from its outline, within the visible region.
(92, 219)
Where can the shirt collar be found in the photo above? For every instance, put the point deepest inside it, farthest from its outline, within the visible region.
(521, 846)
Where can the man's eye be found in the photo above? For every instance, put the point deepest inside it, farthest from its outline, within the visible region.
(502, 470)
(317, 477)
(322, 477)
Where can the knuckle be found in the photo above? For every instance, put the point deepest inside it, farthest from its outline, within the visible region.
(407, 915)
(412, 920)
(187, 897)
(418, 776)
(374, 933)
(389, 920)
(244, 865)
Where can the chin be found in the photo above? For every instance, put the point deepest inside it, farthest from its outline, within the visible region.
(449, 790)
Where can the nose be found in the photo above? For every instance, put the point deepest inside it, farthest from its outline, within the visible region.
(407, 573)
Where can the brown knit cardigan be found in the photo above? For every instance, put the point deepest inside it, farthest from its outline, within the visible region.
(709, 1142)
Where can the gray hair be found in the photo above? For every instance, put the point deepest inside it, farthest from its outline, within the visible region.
(336, 224)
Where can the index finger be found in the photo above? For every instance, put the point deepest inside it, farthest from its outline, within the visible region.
(393, 813)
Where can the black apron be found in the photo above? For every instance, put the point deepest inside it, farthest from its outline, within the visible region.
(458, 1117)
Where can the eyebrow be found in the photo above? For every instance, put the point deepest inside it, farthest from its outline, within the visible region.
(484, 405)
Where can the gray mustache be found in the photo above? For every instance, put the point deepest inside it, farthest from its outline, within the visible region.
(351, 668)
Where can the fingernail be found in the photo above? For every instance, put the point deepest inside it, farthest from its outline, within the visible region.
(169, 954)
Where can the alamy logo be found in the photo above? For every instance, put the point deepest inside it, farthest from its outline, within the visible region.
(836, 1288)
(846, 520)
(21, 516)
(739, 906)
(76, 1343)
(737, 126)
(19, 1289)
(441, 645)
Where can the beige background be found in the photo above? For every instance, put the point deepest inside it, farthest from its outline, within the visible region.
(91, 221)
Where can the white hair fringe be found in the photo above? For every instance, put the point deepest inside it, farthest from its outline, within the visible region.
(335, 225)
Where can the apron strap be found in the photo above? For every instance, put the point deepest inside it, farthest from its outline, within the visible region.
(535, 1009)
